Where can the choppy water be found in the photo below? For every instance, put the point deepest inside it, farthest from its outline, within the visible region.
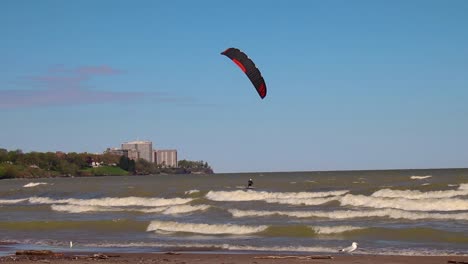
(416, 212)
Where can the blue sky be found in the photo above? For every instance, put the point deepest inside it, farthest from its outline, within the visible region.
(351, 84)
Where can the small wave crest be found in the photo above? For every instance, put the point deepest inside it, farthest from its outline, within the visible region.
(240, 195)
(443, 204)
(192, 191)
(113, 202)
(34, 184)
(420, 177)
(168, 210)
(12, 201)
(211, 229)
(327, 230)
(350, 214)
(415, 194)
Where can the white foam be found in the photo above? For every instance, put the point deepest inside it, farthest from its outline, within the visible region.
(420, 177)
(441, 204)
(34, 184)
(415, 194)
(327, 230)
(218, 246)
(211, 229)
(80, 208)
(12, 201)
(350, 214)
(240, 195)
(168, 210)
(192, 191)
(112, 202)
(308, 201)
(295, 248)
(183, 209)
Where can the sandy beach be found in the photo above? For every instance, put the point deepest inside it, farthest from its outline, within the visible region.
(216, 258)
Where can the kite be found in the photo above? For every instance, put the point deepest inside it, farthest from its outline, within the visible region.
(248, 67)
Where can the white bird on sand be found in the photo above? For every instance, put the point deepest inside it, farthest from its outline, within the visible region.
(71, 244)
(350, 248)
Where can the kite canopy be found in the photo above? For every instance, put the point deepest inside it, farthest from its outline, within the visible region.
(249, 68)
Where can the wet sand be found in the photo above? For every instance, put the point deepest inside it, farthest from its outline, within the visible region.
(215, 258)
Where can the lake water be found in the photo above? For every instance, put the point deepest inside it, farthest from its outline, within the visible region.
(404, 212)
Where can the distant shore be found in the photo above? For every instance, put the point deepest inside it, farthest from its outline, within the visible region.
(217, 258)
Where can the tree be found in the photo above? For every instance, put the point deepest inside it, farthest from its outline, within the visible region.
(124, 163)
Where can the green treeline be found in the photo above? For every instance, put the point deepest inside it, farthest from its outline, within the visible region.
(16, 164)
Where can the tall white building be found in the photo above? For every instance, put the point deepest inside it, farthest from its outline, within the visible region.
(166, 157)
(139, 150)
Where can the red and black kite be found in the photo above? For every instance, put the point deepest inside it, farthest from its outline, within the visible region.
(249, 68)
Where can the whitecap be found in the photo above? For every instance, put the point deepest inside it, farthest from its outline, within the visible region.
(420, 177)
(415, 194)
(432, 204)
(350, 214)
(240, 195)
(211, 229)
(34, 184)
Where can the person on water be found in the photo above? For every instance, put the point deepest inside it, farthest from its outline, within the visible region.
(250, 183)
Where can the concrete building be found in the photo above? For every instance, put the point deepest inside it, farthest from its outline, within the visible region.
(166, 157)
(139, 150)
(117, 151)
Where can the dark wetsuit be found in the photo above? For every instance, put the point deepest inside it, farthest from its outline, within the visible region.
(250, 183)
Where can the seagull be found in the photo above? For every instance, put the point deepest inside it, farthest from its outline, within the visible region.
(350, 248)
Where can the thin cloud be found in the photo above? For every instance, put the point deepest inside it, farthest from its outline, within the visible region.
(66, 86)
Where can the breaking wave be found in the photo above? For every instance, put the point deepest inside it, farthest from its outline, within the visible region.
(272, 197)
(34, 184)
(168, 210)
(432, 204)
(211, 229)
(108, 201)
(12, 201)
(414, 194)
(420, 177)
(350, 214)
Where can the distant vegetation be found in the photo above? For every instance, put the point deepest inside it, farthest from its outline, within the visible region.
(16, 164)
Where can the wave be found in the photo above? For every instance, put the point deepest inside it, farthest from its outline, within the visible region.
(327, 230)
(70, 208)
(12, 201)
(358, 233)
(420, 177)
(414, 194)
(168, 210)
(34, 184)
(240, 195)
(177, 209)
(350, 214)
(201, 246)
(432, 204)
(296, 248)
(310, 201)
(211, 229)
(192, 191)
(112, 202)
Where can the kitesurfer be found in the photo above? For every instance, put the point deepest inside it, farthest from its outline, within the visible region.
(250, 183)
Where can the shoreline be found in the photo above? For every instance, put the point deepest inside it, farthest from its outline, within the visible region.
(235, 258)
